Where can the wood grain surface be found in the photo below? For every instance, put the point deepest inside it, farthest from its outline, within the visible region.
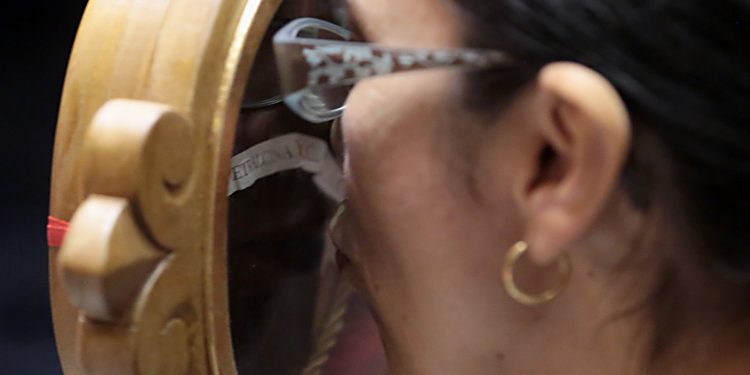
(140, 166)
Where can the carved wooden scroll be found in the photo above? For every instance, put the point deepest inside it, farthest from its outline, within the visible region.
(143, 143)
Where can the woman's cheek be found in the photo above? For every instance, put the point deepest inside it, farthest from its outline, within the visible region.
(399, 178)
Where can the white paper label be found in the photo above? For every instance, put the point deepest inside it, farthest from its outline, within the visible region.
(289, 151)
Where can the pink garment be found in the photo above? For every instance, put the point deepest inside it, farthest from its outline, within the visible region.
(359, 349)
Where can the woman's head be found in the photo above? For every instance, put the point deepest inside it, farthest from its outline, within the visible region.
(619, 138)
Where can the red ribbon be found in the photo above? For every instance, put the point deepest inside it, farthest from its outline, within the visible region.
(56, 229)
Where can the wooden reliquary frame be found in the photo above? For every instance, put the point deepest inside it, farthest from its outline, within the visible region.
(144, 137)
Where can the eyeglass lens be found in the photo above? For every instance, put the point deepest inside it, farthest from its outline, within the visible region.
(324, 98)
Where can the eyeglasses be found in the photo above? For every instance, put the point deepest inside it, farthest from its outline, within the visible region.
(263, 91)
(318, 65)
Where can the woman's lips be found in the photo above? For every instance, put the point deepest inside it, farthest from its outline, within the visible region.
(342, 261)
(335, 233)
(346, 247)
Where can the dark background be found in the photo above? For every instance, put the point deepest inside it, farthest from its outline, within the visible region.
(35, 39)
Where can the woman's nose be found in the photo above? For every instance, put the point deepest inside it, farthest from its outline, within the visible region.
(336, 139)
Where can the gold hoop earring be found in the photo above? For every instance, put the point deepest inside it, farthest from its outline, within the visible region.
(515, 253)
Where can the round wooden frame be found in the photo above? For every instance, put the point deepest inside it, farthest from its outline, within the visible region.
(143, 141)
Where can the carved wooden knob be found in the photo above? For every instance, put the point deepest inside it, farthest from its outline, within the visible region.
(142, 151)
(105, 259)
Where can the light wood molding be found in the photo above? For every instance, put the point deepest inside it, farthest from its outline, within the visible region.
(141, 160)
(106, 259)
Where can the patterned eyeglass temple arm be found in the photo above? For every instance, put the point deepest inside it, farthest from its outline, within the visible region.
(307, 63)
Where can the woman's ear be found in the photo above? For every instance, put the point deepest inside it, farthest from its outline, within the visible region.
(584, 134)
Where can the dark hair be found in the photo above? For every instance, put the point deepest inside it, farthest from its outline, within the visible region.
(683, 70)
